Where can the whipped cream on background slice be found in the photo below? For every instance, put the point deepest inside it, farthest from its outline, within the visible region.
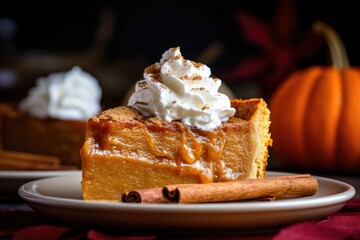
(179, 89)
(72, 95)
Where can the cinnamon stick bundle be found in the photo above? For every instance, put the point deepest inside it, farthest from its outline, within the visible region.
(293, 185)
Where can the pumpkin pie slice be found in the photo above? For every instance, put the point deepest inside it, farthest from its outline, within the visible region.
(124, 150)
(51, 120)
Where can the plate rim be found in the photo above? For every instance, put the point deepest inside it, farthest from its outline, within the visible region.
(28, 193)
(18, 174)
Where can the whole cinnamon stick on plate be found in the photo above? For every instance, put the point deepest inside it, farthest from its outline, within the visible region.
(302, 185)
(292, 185)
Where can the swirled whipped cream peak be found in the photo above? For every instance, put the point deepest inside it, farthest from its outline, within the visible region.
(72, 95)
(179, 89)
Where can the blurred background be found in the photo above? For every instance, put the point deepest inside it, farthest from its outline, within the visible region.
(251, 45)
(115, 41)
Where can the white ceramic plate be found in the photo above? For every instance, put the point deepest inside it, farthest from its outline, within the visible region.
(10, 181)
(61, 198)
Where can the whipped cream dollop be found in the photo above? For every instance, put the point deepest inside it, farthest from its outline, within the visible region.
(72, 95)
(179, 89)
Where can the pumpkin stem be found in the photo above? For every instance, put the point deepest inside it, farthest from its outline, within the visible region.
(337, 50)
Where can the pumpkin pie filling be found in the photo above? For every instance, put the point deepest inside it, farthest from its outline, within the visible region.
(124, 151)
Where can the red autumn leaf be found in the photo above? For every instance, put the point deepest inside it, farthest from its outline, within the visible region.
(255, 30)
(95, 235)
(347, 222)
(285, 29)
(248, 68)
(310, 231)
(40, 232)
(282, 47)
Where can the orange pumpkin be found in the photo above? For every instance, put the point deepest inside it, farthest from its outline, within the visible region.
(315, 114)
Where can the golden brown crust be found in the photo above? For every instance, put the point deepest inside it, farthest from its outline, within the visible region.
(118, 114)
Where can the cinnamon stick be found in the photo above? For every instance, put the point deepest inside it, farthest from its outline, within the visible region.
(293, 185)
(153, 195)
(149, 195)
(241, 190)
(31, 157)
(12, 160)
